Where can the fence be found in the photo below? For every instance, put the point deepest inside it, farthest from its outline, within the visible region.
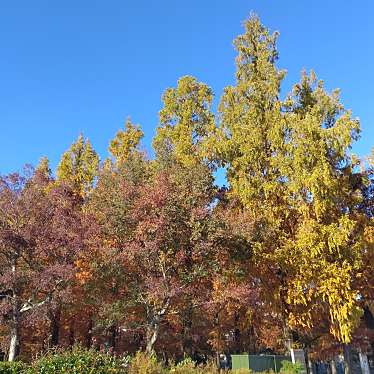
(258, 363)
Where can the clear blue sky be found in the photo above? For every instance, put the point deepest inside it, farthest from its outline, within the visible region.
(84, 65)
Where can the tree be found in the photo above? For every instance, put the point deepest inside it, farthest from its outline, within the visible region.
(181, 143)
(79, 166)
(152, 228)
(39, 235)
(105, 276)
(78, 169)
(152, 218)
(289, 166)
(186, 120)
(126, 142)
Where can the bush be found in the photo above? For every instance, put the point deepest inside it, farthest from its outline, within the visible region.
(187, 366)
(145, 364)
(78, 361)
(242, 371)
(290, 368)
(12, 367)
(211, 368)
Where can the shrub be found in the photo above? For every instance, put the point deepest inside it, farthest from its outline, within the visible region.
(78, 361)
(12, 367)
(210, 368)
(290, 368)
(145, 364)
(187, 366)
(242, 371)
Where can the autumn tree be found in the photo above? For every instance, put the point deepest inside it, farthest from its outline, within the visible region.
(156, 217)
(288, 163)
(185, 124)
(186, 120)
(126, 143)
(79, 166)
(106, 274)
(37, 242)
(78, 169)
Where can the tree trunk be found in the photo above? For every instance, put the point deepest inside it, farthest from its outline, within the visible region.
(237, 334)
(54, 318)
(364, 363)
(14, 343)
(287, 338)
(310, 366)
(113, 337)
(187, 329)
(16, 317)
(153, 327)
(152, 335)
(333, 366)
(347, 359)
(14, 331)
(308, 362)
(188, 311)
(88, 337)
(71, 332)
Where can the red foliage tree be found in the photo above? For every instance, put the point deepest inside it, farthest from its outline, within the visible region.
(39, 238)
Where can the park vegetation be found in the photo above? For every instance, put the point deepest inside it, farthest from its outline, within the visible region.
(135, 253)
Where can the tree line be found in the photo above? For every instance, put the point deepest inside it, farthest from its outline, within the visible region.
(133, 252)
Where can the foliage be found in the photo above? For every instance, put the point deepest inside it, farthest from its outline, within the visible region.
(15, 367)
(36, 259)
(80, 361)
(188, 366)
(186, 121)
(149, 254)
(242, 371)
(79, 166)
(142, 363)
(289, 166)
(126, 142)
(291, 368)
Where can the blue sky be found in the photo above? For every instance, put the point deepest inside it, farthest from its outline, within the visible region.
(84, 65)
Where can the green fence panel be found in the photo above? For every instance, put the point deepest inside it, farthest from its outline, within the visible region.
(258, 363)
(261, 363)
(239, 362)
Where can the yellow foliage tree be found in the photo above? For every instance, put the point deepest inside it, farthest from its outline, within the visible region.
(79, 166)
(289, 165)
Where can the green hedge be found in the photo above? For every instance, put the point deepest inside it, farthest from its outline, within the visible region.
(78, 361)
(83, 361)
(75, 361)
(12, 367)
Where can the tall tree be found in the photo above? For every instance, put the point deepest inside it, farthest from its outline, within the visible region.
(288, 164)
(181, 143)
(78, 169)
(152, 229)
(126, 142)
(39, 234)
(79, 166)
(186, 120)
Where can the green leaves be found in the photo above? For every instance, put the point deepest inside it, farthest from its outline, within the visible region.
(288, 164)
(79, 166)
(186, 121)
(126, 142)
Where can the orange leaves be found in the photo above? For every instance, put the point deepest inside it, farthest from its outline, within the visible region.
(83, 273)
